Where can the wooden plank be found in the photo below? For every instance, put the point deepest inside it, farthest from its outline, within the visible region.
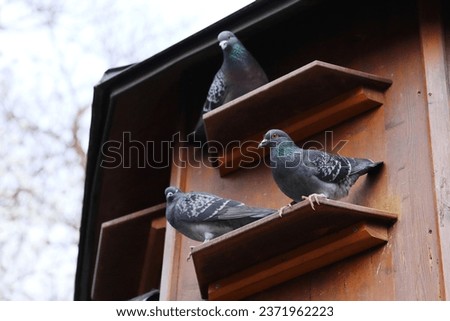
(312, 256)
(301, 89)
(121, 254)
(173, 240)
(415, 272)
(299, 225)
(151, 269)
(433, 49)
(302, 125)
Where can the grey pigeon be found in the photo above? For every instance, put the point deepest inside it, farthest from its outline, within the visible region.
(309, 173)
(203, 216)
(239, 74)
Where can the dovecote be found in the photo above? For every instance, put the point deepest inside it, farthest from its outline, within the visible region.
(359, 79)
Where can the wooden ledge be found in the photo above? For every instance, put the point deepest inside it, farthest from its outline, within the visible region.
(275, 249)
(303, 102)
(129, 256)
(311, 256)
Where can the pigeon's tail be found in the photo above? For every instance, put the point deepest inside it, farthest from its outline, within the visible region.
(240, 212)
(262, 212)
(198, 136)
(376, 165)
(363, 166)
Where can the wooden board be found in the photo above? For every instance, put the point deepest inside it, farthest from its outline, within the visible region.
(300, 98)
(274, 235)
(130, 255)
(438, 99)
(309, 257)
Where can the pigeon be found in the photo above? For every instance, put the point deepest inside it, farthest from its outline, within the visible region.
(239, 74)
(203, 216)
(309, 173)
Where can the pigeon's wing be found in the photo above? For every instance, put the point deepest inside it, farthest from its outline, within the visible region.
(242, 211)
(200, 207)
(327, 167)
(216, 93)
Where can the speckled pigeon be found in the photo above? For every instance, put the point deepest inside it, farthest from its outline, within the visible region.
(239, 74)
(309, 173)
(203, 216)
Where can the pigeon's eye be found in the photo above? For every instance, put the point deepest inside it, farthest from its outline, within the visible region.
(274, 135)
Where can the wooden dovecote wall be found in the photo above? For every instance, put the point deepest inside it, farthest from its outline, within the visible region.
(366, 80)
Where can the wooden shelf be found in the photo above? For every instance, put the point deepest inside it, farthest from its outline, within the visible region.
(275, 249)
(304, 102)
(129, 257)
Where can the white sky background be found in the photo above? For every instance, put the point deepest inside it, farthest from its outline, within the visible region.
(52, 53)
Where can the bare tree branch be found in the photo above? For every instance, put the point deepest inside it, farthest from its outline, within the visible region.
(76, 143)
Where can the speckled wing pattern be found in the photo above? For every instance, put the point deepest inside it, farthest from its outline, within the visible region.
(200, 207)
(216, 93)
(331, 168)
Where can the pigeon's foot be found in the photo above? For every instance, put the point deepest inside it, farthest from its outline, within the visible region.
(190, 252)
(192, 247)
(281, 210)
(314, 197)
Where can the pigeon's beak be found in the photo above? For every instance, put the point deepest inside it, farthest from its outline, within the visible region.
(263, 143)
(223, 44)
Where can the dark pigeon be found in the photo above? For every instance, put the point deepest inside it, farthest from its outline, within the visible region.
(239, 74)
(203, 216)
(309, 173)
